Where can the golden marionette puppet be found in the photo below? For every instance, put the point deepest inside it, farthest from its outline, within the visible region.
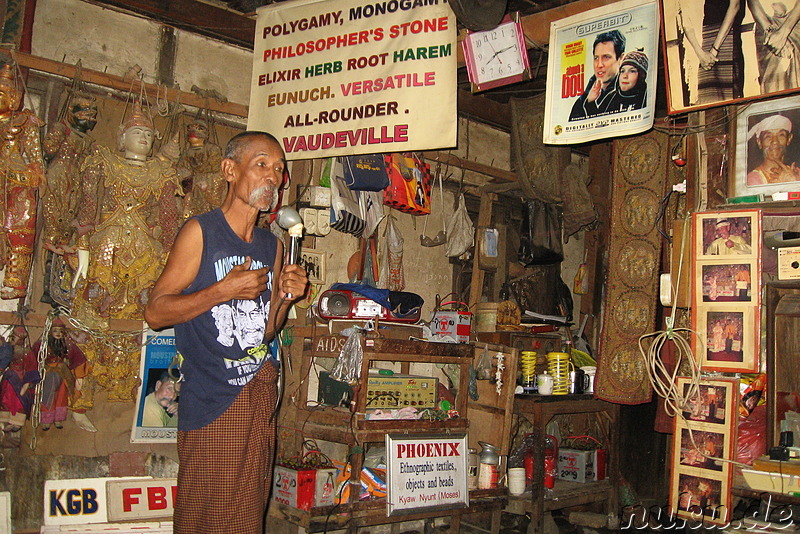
(199, 168)
(127, 221)
(67, 144)
(22, 172)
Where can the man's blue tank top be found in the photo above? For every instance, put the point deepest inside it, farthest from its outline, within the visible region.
(224, 347)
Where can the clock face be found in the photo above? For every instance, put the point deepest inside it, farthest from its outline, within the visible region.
(497, 53)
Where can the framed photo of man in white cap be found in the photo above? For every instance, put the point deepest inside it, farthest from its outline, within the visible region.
(768, 148)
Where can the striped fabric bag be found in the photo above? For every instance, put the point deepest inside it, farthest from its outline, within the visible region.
(345, 210)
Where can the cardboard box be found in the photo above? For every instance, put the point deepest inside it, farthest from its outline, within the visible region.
(304, 488)
(581, 466)
(455, 324)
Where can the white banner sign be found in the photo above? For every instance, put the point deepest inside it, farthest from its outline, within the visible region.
(601, 73)
(426, 471)
(341, 77)
(130, 500)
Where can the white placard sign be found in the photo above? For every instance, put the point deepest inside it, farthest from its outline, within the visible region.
(134, 500)
(77, 501)
(341, 77)
(426, 471)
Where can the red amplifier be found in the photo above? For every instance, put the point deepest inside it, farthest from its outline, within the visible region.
(345, 304)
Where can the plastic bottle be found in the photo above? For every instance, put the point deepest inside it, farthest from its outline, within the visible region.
(487, 471)
(550, 461)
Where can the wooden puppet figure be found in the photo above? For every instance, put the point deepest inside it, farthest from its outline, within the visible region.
(127, 221)
(201, 174)
(21, 172)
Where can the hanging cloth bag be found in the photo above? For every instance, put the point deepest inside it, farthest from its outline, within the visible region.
(366, 172)
(460, 231)
(409, 189)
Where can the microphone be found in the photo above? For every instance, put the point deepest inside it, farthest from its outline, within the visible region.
(290, 220)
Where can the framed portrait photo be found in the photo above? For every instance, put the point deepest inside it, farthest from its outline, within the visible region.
(712, 405)
(701, 496)
(725, 237)
(768, 148)
(701, 448)
(314, 264)
(730, 340)
(727, 282)
(709, 62)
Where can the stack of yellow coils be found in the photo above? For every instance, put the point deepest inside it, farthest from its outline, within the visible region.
(558, 366)
(527, 365)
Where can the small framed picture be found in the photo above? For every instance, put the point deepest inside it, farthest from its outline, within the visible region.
(701, 497)
(712, 403)
(730, 344)
(768, 148)
(727, 282)
(701, 448)
(720, 234)
(314, 264)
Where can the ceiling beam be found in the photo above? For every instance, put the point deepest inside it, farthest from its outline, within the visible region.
(193, 16)
(537, 25)
(238, 29)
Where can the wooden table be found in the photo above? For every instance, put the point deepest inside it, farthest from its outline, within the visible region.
(539, 411)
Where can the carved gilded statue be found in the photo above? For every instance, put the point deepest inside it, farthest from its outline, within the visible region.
(22, 170)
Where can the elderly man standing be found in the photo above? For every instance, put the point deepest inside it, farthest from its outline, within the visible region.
(226, 424)
(773, 136)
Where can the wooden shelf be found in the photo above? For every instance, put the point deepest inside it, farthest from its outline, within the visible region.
(340, 425)
(373, 512)
(564, 491)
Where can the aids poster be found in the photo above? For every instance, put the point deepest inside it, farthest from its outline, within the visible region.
(334, 78)
(602, 73)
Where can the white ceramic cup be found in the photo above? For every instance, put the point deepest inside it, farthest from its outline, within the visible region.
(544, 383)
(516, 480)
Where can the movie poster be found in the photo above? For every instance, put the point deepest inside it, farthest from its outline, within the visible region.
(602, 73)
(156, 417)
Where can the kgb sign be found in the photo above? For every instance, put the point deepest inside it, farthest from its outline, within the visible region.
(76, 501)
(426, 471)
